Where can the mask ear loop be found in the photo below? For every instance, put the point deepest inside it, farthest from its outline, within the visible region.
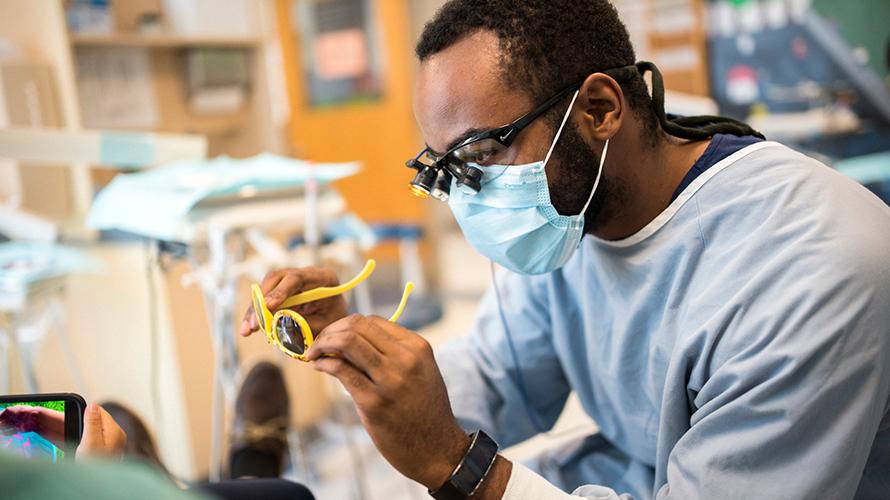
(561, 125)
(599, 175)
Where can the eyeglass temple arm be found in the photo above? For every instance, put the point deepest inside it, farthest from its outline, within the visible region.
(325, 292)
(409, 287)
(533, 115)
(330, 291)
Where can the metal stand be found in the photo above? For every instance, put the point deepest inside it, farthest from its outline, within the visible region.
(219, 287)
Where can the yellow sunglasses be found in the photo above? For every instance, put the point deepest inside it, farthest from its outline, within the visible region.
(289, 331)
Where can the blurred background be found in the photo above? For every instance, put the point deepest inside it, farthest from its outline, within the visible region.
(158, 156)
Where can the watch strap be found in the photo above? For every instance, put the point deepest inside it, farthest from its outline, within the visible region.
(471, 471)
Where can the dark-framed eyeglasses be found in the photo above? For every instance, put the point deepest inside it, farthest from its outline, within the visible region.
(435, 172)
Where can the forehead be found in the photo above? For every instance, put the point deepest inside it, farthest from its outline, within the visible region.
(462, 88)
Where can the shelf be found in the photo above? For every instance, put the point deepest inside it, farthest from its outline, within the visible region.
(160, 41)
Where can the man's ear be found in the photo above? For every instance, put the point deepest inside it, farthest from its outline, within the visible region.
(602, 102)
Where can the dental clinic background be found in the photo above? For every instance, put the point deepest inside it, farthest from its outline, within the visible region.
(159, 156)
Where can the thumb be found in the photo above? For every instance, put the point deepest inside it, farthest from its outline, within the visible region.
(93, 439)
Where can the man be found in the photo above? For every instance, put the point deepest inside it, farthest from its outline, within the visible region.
(725, 319)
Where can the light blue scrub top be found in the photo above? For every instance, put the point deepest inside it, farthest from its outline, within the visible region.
(736, 347)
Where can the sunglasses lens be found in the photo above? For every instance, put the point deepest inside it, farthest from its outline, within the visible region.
(258, 310)
(289, 335)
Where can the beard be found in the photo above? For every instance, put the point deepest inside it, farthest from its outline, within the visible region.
(576, 169)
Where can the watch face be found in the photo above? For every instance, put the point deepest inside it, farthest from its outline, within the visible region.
(471, 471)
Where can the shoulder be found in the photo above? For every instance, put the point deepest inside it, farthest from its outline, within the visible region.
(773, 195)
(799, 254)
(772, 176)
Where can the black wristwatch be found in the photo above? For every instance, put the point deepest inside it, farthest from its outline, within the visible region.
(471, 471)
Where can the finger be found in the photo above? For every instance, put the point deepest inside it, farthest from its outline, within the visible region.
(115, 437)
(310, 308)
(393, 341)
(354, 347)
(411, 342)
(382, 340)
(299, 280)
(93, 436)
(290, 284)
(245, 330)
(272, 278)
(249, 323)
(356, 383)
(386, 335)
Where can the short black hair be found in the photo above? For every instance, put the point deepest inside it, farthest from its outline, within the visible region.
(547, 44)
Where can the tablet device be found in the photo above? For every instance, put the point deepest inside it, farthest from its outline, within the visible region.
(41, 426)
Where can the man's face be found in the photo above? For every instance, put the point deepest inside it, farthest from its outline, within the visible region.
(461, 91)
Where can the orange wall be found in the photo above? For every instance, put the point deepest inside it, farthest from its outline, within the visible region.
(381, 134)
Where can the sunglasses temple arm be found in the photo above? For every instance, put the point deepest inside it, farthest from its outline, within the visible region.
(330, 291)
(409, 287)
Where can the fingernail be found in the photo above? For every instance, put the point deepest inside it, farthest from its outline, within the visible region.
(93, 408)
(245, 327)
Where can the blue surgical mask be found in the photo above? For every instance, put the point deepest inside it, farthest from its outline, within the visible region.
(512, 221)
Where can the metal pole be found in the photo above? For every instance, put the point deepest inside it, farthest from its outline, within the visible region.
(26, 356)
(216, 244)
(219, 293)
(311, 231)
(5, 359)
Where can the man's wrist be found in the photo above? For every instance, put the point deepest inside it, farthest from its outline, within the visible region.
(495, 483)
(443, 467)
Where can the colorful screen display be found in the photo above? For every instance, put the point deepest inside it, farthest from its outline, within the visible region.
(33, 430)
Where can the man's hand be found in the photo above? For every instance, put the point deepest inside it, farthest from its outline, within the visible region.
(102, 437)
(279, 285)
(401, 399)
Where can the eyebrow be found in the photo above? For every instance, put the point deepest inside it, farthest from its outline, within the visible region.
(461, 138)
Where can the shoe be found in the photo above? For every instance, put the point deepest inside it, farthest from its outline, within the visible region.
(262, 420)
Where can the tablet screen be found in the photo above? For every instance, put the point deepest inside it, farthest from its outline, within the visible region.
(33, 429)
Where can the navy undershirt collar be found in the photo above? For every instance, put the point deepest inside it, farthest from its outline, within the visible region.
(720, 147)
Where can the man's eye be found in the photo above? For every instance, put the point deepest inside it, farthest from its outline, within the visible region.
(482, 157)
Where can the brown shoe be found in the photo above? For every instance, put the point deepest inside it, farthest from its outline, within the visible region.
(262, 420)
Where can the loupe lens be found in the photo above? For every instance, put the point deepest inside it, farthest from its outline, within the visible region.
(423, 182)
(289, 335)
(442, 188)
